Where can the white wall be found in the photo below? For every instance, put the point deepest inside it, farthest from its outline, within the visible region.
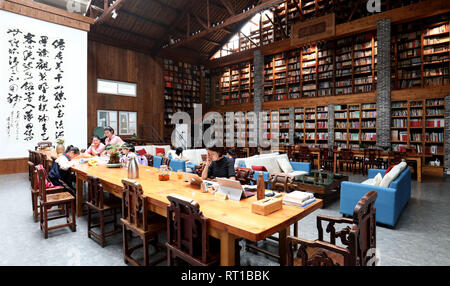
(74, 82)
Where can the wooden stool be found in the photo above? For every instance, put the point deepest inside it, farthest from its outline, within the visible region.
(51, 197)
(136, 219)
(104, 207)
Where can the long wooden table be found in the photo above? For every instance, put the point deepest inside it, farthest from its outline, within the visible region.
(228, 220)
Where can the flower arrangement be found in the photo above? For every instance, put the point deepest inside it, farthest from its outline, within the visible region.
(60, 141)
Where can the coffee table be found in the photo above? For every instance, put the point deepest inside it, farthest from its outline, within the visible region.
(324, 185)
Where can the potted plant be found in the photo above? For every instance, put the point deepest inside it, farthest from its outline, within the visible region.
(114, 153)
(60, 146)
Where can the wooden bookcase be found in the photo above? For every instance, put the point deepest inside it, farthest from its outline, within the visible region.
(421, 53)
(420, 124)
(311, 125)
(234, 84)
(355, 125)
(182, 87)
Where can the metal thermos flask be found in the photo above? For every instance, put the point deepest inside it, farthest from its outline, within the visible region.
(133, 169)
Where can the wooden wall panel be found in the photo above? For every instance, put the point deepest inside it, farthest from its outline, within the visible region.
(113, 63)
(13, 166)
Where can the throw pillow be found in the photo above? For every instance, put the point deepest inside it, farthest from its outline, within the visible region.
(160, 151)
(377, 180)
(389, 169)
(259, 168)
(141, 152)
(389, 177)
(285, 165)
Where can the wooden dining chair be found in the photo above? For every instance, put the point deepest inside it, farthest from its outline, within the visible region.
(371, 160)
(359, 240)
(326, 159)
(347, 159)
(137, 219)
(104, 206)
(54, 197)
(44, 144)
(187, 233)
(245, 176)
(149, 159)
(305, 155)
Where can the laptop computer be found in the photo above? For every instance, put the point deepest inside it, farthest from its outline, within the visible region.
(233, 189)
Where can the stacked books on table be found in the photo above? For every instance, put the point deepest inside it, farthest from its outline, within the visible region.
(298, 199)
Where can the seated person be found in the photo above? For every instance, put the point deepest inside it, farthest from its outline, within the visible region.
(217, 166)
(128, 152)
(112, 139)
(179, 155)
(61, 168)
(230, 155)
(96, 148)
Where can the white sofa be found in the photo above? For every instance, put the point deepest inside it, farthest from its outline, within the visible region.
(275, 163)
(193, 155)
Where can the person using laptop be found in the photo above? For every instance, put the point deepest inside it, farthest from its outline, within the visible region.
(218, 166)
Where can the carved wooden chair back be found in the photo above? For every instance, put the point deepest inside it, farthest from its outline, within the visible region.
(187, 227)
(42, 178)
(364, 220)
(396, 157)
(244, 175)
(346, 154)
(281, 182)
(134, 208)
(149, 159)
(95, 192)
(165, 161)
(326, 154)
(32, 174)
(44, 144)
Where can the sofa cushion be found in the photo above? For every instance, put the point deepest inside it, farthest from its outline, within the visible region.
(285, 165)
(259, 168)
(370, 182)
(159, 151)
(377, 180)
(297, 174)
(389, 169)
(141, 152)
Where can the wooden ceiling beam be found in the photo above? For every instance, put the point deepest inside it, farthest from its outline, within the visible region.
(200, 21)
(109, 10)
(228, 7)
(264, 4)
(130, 32)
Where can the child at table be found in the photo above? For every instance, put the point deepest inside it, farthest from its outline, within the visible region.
(61, 168)
(128, 152)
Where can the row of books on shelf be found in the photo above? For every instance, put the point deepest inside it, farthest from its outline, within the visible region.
(399, 135)
(434, 136)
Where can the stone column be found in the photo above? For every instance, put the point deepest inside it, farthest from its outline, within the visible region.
(384, 83)
(447, 134)
(330, 124)
(258, 62)
(291, 125)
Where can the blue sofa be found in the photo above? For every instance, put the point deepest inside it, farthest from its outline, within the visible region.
(157, 161)
(390, 202)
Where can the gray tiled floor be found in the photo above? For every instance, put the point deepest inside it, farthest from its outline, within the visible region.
(421, 237)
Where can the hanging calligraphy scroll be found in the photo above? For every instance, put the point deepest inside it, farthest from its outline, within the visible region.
(42, 84)
(36, 97)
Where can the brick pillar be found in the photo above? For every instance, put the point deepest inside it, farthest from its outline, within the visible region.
(447, 133)
(330, 124)
(384, 83)
(258, 61)
(291, 125)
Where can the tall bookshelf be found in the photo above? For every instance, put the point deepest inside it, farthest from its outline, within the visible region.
(419, 124)
(422, 53)
(311, 125)
(234, 84)
(355, 125)
(182, 87)
(284, 126)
